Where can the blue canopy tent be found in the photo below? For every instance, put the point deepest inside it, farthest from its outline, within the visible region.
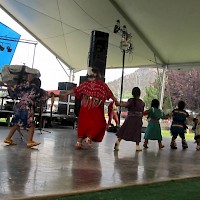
(8, 43)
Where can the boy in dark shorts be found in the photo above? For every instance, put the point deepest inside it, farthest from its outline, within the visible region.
(178, 126)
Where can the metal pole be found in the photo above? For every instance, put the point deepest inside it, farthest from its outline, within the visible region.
(163, 87)
(70, 75)
(34, 55)
(122, 81)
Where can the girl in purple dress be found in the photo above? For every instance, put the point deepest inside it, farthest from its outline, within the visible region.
(131, 128)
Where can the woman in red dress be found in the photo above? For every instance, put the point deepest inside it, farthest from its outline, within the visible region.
(91, 121)
(112, 114)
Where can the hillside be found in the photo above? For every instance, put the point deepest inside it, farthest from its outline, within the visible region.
(141, 78)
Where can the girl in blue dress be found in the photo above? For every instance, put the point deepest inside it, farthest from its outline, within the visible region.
(153, 130)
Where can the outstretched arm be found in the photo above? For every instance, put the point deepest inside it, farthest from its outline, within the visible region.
(62, 96)
(124, 104)
(117, 103)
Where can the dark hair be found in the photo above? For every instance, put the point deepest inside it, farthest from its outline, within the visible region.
(181, 105)
(136, 92)
(36, 81)
(155, 103)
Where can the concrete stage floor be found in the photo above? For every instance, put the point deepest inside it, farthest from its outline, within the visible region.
(56, 168)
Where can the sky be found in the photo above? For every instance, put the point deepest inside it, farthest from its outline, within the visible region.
(50, 68)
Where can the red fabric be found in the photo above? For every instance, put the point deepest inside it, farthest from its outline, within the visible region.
(91, 120)
(95, 88)
(113, 115)
(110, 107)
(166, 116)
(145, 112)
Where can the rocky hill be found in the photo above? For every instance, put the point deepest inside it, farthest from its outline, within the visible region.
(141, 78)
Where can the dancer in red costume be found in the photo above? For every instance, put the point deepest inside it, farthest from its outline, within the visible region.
(112, 114)
(91, 121)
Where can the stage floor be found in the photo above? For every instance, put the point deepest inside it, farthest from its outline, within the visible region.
(55, 167)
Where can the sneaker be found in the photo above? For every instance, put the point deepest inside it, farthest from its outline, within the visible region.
(138, 148)
(184, 144)
(116, 147)
(9, 141)
(173, 145)
(32, 144)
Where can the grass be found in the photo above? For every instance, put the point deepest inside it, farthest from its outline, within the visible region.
(188, 136)
(3, 120)
(185, 189)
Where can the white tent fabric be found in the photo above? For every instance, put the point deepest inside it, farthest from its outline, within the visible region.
(164, 32)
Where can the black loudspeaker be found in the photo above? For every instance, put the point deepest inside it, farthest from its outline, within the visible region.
(66, 106)
(98, 51)
(83, 79)
(62, 109)
(66, 86)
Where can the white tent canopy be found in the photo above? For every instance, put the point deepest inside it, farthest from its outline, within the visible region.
(164, 32)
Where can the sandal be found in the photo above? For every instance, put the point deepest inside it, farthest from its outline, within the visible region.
(79, 145)
(145, 146)
(32, 144)
(9, 141)
(161, 146)
(138, 148)
(89, 142)
(116, 147)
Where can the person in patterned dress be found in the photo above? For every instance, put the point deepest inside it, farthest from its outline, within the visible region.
(91, 120)
(29, 93)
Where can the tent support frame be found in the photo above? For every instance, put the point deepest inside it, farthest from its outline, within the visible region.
(163, 87)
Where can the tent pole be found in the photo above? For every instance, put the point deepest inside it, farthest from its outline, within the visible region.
(71, 74)
(34, 55)
(122, 82)
(163, 87)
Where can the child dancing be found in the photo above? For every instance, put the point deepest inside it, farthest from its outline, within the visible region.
(153, 130)
(178, 126)
(131, 128)
(197, 132)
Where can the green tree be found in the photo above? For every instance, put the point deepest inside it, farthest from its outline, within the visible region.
(127, 95)
(184, 85)
(153, 92)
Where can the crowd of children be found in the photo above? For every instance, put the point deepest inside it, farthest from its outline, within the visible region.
(132, 127)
